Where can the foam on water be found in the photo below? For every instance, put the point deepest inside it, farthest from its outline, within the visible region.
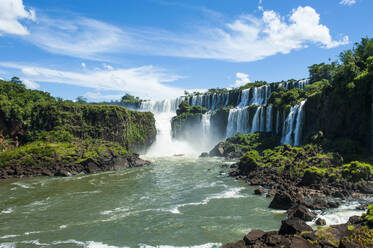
(229, 194)
(22, 185)
(7, 211)
(208, 245)
(8, 245)
(165, 145)
(340, 215)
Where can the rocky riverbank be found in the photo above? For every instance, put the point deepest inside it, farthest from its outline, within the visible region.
(304, 175)
(295, 233)
(304, 178)
(66, 159)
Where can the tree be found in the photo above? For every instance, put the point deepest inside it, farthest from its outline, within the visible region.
(128, 98)
(16, 80)
(322, 71)
(81, 100)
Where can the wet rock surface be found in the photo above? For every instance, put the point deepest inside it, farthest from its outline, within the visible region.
(88, 166)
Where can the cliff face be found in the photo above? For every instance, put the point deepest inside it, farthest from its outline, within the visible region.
(31, 115)
(340, 117)
(133, 130)
(198, 127)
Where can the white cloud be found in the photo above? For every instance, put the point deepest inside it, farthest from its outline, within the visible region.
(77, 36)
(108, 67)
(98, 96)
(347, 2)
(242, 79)
(250, 39)
(11, 11)
(146, 81)
(30, 84)
(83, 65)
(243, 39)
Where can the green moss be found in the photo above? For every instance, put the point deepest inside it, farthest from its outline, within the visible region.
(357, 171)
(361, 237)
(326, 234)
(32, 115)
(41, 153)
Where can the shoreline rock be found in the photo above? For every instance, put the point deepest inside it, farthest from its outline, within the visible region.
(82, 157)
(295, 233)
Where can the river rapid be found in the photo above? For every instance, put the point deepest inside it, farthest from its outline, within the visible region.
(178, 202)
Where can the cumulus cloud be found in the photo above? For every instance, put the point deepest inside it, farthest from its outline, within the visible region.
(242, 79)
(347, 2)
(11, 12)
(146, 81)
(30, 84)
(250, 39)
(83, 65)
(244, 39)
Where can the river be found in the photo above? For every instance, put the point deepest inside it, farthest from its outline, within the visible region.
(174, 202)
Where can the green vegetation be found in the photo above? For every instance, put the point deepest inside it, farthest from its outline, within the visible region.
(225, 90)
(34, 126)
(129, 99)
(310, 160)
(186, 109)
(284, 99)
(368, 217)
(43, 153)
(239, 144)
(341, 111)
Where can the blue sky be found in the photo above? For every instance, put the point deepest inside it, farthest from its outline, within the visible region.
(157, 48)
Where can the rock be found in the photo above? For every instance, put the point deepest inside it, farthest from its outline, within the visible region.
(293, 226)
(318, 203)
(63, 173)
(298, 242)
(46, 172)
(273, 239)
(92, 168)
(362, 207)
(310, 178)
(282, 200)
(204, 155)
(355, 220)
(253, 236)
(320, 222)
(348, 244)
(217, 151)
(255, 181)
(366, 188)
(238, 244)
(271, 193)
(301, 212)
(334, 204)
(259, 191)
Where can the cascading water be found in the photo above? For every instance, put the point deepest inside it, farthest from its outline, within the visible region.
(238, 121)
(164, 145)
(292, 128)
(269, 119)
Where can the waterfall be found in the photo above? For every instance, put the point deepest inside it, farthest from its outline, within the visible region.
(292, 127)
(244, 98)
(371, 146)
(238, 121)
(164, 145)
(164, 106)
(277, 121)
(206, 124)
(269, 119)
(256, 120)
